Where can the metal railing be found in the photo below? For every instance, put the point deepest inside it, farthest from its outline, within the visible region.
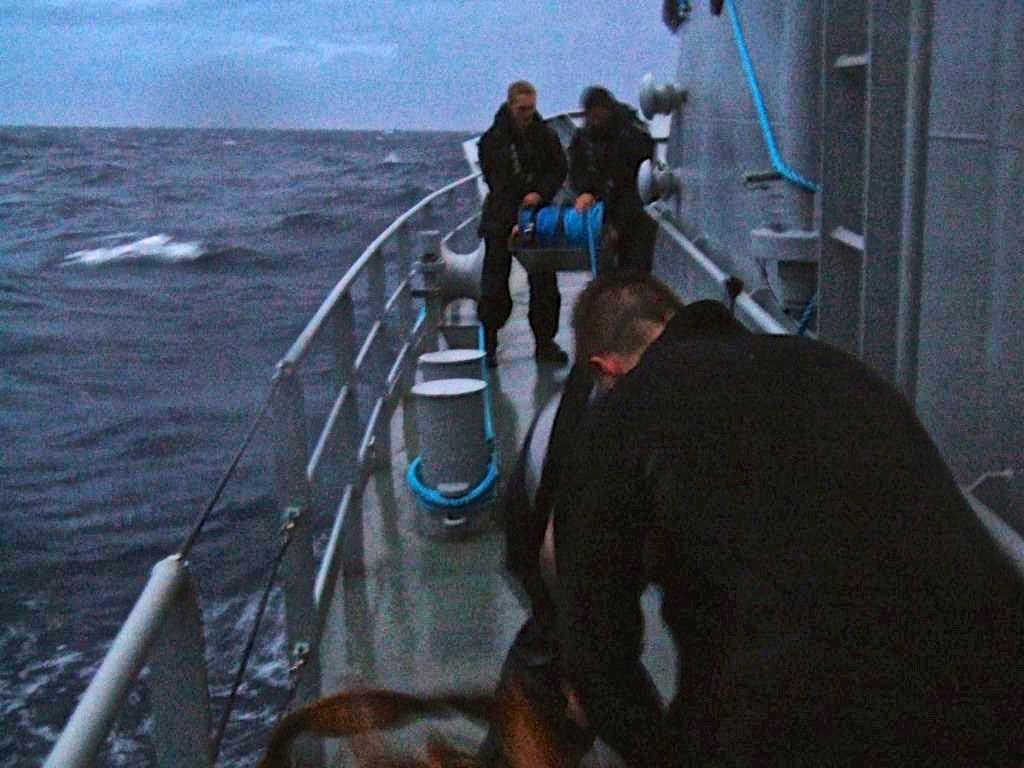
(370, 375)
(369, 379)
(701, 278)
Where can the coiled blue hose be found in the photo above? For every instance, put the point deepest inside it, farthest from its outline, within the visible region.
(560, 226)
(430, 496)
(433, 498)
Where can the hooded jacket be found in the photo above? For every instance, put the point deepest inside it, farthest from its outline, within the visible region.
(514, 164)
(604, 163)
(834, 599)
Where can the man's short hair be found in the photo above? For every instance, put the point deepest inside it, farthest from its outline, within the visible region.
(614, 313)
(520, 88)
(597, 96)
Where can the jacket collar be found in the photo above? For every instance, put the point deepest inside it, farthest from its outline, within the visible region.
(503, 120)
(701, 320)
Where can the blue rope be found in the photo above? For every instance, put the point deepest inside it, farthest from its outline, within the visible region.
(486, 376)
(559, 226)
(433, 498)
(591, 247)
(762, 114)
(806, 315)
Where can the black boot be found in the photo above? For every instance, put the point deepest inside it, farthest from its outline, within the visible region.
(491, 348)
(548, 350)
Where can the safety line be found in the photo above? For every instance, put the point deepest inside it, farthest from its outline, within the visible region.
(762, 113)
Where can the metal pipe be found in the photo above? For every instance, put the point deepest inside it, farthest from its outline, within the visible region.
(745, 305)
(178, 685)
(1003, 534)
(99, 706)
(298, 350)
(299, 570)
(334, 419)
(915, 174)
(330, 564)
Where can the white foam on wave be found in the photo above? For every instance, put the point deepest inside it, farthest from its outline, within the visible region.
(156, 248)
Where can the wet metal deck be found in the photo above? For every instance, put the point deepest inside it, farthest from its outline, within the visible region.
(430, 615)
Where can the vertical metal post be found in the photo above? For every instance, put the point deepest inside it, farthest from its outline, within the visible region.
(407, 311)
(344, 319)
(345, 351)
(846, 52)
(178, 685)
(884, 163)
(407, 317)
(429, 219)
(431, 265)
(915, 176)
(298, 567)
(450, 199)
(376, 295)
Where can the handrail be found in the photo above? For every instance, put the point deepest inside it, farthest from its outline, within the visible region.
(745, 306)
(89, 724)
(762, 113)
(300, 347)
(165, 622)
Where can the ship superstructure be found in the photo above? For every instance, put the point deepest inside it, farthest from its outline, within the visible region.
(847, 170)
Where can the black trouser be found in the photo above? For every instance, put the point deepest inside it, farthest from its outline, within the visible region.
(495, 303)
(531, 667)
(636, 242)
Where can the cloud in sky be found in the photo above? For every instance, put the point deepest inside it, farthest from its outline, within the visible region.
(431, 64)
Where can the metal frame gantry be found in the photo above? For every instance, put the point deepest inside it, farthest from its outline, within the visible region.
(875, 87)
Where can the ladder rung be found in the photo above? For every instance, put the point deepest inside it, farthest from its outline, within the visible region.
(849, 238)
(852, 61)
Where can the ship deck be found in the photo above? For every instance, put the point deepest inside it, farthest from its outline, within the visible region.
(426, 614)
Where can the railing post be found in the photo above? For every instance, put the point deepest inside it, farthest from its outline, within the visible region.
(344, 320)
(430, 265)
(407, 315)
(429, 216)
(450, 198)
(376, 295)
(298, 567)
(351, 534)
(178, 685)
(407, 312)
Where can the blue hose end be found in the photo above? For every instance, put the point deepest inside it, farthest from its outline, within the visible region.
(444, 516)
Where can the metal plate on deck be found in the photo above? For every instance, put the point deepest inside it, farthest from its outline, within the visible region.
(449, 388)
(553, 259)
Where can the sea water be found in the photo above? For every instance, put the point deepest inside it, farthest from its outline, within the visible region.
(149, 280)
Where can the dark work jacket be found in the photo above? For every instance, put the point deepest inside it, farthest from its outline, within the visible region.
(526, 518)
(833, 598)
(606, 166)
(514, 164)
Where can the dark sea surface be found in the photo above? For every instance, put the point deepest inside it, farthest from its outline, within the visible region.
(149, 280)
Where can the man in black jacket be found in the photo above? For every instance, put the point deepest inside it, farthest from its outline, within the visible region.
(530, 675)
(833, 598)
(524, 166)
(604, 156)
(531, 672)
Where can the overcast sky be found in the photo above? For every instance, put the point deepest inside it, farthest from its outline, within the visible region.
(427, 64)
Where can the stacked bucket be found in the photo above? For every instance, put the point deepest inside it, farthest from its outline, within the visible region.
(454, 477)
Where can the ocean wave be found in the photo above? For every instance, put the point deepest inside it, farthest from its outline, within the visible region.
(90, 174)
(27, 140)
(158, 248)
(309, 220)
(221, 254)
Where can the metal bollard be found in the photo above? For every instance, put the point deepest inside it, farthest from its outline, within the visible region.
(454, 455)
(450, 364)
